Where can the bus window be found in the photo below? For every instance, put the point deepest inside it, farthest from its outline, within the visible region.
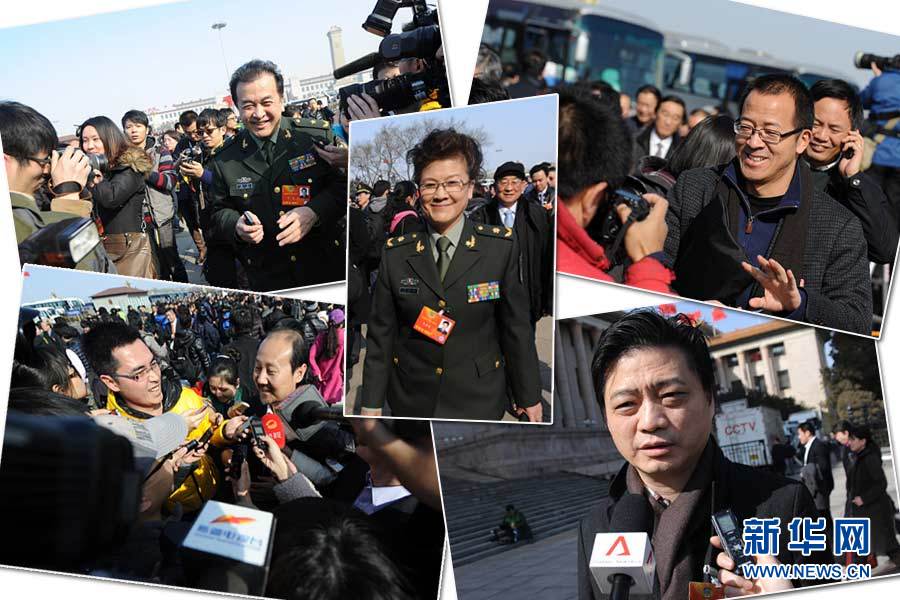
(624, 55)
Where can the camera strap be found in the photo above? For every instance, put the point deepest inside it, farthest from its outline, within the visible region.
(617, 242)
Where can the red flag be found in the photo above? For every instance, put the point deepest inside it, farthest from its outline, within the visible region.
(667, 309)
(695, 317)
(718, 314)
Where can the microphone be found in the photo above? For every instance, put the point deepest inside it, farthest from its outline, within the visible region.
(229, 549)
(310, 412)
(622, 561)
(274, 428)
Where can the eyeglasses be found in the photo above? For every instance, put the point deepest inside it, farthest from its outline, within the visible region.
(454, 186)
(769, 136)
(142, 374)
(44, 162)
(209, 132)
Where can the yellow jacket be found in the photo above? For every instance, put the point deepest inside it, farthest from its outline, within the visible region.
(190, 495)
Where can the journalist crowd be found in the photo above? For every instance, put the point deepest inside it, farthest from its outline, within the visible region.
(225, 397)
(786, 202)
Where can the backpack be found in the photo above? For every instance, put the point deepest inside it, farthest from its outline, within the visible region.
(180, 360)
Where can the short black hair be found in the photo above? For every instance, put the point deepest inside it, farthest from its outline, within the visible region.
(843, 425)
(224, 113)
(381, 188)
(538, 168)
(103, 339)
(441, 144)
(648, 329)
(487, 89)
(44, 368)
(293, 330)
(533, 62)
(40, 401)
(253, 70)
(225, 366)
(651, 89)
(594, 143)
(779, 83)
(136, 116)
(25, 131)
(839, 90)
(210, 116)
(807, 427)
(241, 320)
(675, 99)
(187, 118)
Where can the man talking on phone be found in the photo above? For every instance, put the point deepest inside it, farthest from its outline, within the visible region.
(655, 379)
(835, 154)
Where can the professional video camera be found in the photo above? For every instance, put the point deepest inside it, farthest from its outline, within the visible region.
(864, 60)
(420, 39)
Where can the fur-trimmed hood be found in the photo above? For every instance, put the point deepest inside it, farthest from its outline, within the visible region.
(136, 159)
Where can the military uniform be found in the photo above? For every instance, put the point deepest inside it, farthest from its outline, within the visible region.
(28, 219)
(244, 180)
(492, 340)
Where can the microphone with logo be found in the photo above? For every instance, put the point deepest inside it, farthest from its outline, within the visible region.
(622, 562)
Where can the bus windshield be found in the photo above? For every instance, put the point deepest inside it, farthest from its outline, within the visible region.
(624, 55)
(714, 78)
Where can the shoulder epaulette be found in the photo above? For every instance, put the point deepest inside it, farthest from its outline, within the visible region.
(497, 231)
(402, 240)
(310, 123)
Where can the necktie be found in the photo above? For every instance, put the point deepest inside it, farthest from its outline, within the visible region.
(443, 261)
(508, 217)
(268, 150)
(659, 151)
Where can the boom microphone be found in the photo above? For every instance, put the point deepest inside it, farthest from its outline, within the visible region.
(622, 561)
(360, 64)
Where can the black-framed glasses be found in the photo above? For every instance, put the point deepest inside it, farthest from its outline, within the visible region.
(141, 375)
(44, 162)
(769, 136)
(454, 186)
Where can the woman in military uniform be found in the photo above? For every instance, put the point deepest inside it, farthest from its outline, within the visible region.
(449, 324)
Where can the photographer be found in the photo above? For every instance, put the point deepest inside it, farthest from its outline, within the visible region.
(30, 159)
(187, 190)
(596, 152)
(119, 196)
(882, 98)
(835, 155)
(160, 185)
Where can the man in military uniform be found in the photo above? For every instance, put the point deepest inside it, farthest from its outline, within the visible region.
(272, 195)
(29, 140)
(450, 316)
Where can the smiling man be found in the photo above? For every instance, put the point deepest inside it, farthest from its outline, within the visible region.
(272, 195)
(457, 271)
(654, 381)
(756, 233)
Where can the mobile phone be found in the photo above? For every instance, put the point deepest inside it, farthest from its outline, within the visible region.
(194, 444)
(320, 142)
(248, 218)
(237, 410)
(729, 532)
(848, 153)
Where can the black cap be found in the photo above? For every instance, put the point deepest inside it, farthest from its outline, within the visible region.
(510, 168)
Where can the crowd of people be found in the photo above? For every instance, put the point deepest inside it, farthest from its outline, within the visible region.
(208, 366)
(451, 200)
(781, 207)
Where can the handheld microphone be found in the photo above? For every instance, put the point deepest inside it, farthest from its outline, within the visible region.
(622, 561)
(310, 412)
(274, 428)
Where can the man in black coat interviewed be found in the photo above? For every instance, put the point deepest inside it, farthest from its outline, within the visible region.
(450, 319)
(654, 380)
(756, 233)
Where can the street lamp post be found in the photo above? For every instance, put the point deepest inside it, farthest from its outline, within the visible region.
(219, 27)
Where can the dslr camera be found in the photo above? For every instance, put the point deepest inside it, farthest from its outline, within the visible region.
(607, 228)
(190, 154)
(420, 39)
(863, 60)
(98, 162)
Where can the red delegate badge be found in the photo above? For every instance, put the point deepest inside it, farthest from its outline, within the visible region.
(295, 195)
(434, 325)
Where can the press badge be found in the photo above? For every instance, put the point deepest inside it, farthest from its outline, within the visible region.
(434, 325)
(699, 590)
(482, 292)
(295, 195)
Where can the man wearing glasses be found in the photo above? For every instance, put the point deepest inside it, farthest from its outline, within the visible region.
(138, 390)
(756, 234)
(457, 271)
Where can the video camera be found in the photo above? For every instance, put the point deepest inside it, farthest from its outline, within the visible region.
(864, 60)
(420, 39)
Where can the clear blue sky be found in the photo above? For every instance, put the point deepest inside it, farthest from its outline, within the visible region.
(520, 130)
(44, 282)
(783, 35)
(154, 57)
